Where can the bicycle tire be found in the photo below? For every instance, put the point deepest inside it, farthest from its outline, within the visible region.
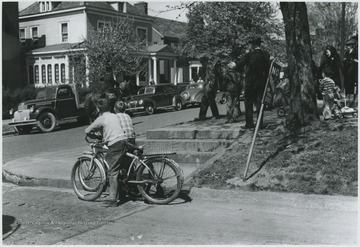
(165, 185)
(88, 178)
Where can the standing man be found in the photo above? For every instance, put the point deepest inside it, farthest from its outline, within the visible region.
(232, 80)
(351, 65)
(258, 63)
(210, 89)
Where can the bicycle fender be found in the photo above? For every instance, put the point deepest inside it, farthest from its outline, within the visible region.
(84, 156)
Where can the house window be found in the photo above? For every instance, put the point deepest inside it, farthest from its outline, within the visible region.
(31, 74)
(22, 34)
(34, 32)
(142, 33)
(36, 74)
(64, 32)
(56, 73)
(49, 73)
(103, 26)
(43, 74)
(63, 73)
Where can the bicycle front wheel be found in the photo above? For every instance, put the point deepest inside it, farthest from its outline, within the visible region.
(160, 181)
(88, 178)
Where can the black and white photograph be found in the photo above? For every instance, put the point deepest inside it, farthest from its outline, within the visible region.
(180, 123)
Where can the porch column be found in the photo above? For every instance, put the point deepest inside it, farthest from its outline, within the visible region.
(155, 70)
(52, 70)
(87, 71)
(67, 66)
(190, 75)
(40, 72)
(149, 69)
(175, 73)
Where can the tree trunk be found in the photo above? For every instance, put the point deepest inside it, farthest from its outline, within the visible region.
(303, 108)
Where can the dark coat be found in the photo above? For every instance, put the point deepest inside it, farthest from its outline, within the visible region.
(258, 64)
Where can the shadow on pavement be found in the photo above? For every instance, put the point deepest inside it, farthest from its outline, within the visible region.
(8, 229)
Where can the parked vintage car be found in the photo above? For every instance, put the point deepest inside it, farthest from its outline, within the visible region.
(152, 98)
(193, 93)
(53, 105)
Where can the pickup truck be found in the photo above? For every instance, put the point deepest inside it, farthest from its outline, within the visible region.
(53, 105)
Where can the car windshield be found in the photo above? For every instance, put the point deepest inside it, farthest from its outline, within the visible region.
(141, 91)
(196, 85)
(149, 90)
(46, 93)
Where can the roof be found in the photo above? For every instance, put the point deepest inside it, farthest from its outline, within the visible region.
(169, 28)
(55, 48)
(156, 48)
(34, 8)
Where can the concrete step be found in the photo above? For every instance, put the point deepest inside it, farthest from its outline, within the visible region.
(161, 145)
(191, 157)
(193, 133)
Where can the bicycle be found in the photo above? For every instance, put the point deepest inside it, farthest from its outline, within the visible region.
(157, 178)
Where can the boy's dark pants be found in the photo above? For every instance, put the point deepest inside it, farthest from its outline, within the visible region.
(116, 159)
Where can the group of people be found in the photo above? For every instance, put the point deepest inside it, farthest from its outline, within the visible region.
(255, 64)
(338, 78)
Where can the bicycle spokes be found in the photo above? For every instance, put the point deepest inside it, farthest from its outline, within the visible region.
(159, 180)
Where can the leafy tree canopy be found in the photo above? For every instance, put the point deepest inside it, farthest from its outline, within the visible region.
(114, 48)
(325, 23)
(221, 30)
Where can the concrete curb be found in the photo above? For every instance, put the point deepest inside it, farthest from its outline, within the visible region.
(31, 181)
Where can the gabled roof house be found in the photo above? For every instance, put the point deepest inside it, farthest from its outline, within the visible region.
(49, 30)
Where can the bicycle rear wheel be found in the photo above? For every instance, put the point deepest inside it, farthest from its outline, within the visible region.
(161, 180)
(88, 178)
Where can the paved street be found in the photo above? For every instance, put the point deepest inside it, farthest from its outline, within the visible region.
(55, 216)
(72, 136)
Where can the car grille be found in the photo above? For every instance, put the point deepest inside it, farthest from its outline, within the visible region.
(22, 107)
(22, 115)
(132, 104)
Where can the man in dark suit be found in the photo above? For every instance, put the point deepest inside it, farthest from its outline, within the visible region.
(210, 89)
(257, 63)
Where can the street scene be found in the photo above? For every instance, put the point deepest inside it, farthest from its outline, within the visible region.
(180, 123)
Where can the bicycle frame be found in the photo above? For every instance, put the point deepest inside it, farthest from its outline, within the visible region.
(98, 152)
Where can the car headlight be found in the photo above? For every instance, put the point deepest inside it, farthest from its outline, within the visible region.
(32, 108)
(185, 95)
(140, 102)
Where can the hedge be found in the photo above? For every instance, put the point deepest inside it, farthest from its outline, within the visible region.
(11, 98)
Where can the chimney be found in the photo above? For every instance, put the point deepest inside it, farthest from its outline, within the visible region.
(143, 6)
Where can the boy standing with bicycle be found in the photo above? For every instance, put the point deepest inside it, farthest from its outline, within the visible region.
(125, 121)
(115, 138)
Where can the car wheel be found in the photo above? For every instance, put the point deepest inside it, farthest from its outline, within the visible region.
(178, 105)
(149, 109)
(23, 129)
(46, 122)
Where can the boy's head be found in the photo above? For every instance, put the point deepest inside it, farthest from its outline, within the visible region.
(120, 106)
(327, 72)
(102, 105)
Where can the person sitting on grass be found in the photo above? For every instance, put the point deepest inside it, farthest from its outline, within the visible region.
(115, 138)
(125, 121)
(328, 89)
